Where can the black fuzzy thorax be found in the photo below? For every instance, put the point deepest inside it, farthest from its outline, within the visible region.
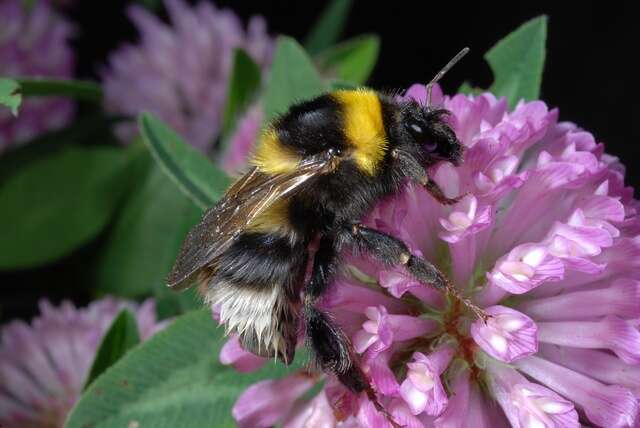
(312, 127)
(347, 193)
(260, 260)
(327, 202)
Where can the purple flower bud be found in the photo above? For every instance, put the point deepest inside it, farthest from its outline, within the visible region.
(180, 72)
(526, 267)
(422, 389)
(507, 335)
(382, 329)
(494, 181)
(398, 283)
(465, 218)
(527, 404)
(34, 43)
(43, 366)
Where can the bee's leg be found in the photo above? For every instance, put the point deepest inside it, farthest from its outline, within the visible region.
(393, 252)
(332, 348)
(437, 193)
(335, 354)
(324, 266)
(411, 168)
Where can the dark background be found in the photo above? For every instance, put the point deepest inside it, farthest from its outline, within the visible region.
(591, 56)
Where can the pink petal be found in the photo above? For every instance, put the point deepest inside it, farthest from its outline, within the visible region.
(622, 298)
(398, 283)
(382, 377)
(611, 333)
(242, 141)
(370, 417)
(466, 219)
(417, 92)
(402, 415)
(455, 414)
(508, 335)
(528, 404)
(527, 266)
(611, 406)
(382, 329)
(268, 402)
(317, 413)
(243, 361)
(599, 365)
(422, 389)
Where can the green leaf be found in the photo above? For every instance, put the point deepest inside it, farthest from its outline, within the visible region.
(80, 90)
(58, 202)
(243, 85)
(293, 78)
(117, 341)
(337, 84)
(28, 4)
(467, 88)
(144, 241)
(173, 380)
(10, 95)
(328, 27)
(353, 60)
(87, 129)
(153, 5)
(517, 61)
(170, 303)
(198, 178)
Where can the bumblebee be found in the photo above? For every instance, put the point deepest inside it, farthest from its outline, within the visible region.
(315, 172)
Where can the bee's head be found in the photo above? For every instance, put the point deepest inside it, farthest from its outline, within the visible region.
(430, 132)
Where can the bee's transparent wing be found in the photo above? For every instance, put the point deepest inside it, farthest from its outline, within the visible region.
(252, 194)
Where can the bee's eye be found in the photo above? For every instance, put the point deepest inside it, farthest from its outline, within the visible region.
(430, 147)
(416, 128)
(335, 151)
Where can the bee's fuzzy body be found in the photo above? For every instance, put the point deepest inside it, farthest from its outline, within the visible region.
(272, 252)
(375, 143)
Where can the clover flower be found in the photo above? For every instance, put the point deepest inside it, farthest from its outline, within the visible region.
(547, 242)
(43, 366)
(242, 141)
(180, 72)
(34, 43)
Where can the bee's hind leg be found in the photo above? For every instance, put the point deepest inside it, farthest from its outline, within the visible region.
(332, 348)
(393, 252)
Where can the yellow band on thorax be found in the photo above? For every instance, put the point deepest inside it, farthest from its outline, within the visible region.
(364, 127)
(272, 157)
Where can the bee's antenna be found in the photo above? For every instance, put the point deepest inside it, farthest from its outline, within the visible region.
(442, 72)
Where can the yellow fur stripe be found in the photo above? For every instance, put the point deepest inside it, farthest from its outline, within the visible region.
(274, 219)
(272, 157)
(364, 127)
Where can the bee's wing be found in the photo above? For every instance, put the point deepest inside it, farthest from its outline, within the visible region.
(221, 224)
